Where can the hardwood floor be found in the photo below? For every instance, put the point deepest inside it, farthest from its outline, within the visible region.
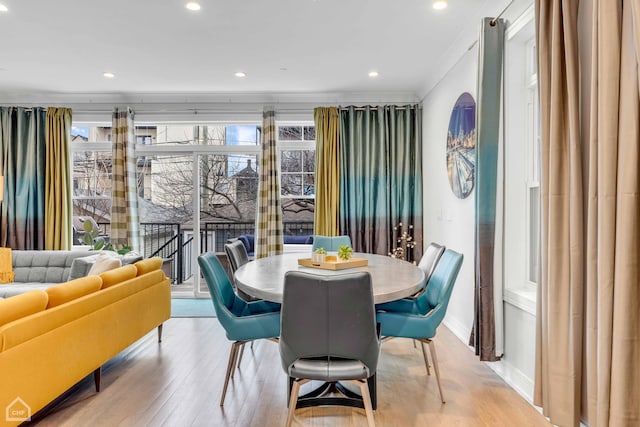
(179, 382)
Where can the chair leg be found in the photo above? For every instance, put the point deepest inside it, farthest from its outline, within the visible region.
(293, 401)
(236, 360)
(233, 353)
(432, 349)
(240, 355)
(426, 359)
(160, 332)
(366, 399)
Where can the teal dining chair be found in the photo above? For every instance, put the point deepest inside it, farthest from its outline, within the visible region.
(330, 243)
(421, 320)
(242, 321)
(414, 304)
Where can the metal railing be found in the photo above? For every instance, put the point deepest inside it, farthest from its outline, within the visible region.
(175, 244)
(216, 234)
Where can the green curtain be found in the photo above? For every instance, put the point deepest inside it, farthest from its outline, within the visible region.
(58, 205)
(488, 313)
(327, 180)
(380, 175)
(269, 239)
(22, 148)
(125, 222)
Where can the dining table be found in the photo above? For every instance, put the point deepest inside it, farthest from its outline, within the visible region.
(391, 278)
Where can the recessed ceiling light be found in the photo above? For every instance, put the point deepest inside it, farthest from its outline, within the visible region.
(373, 74)
(439, 4)
(192, 5)
(108, 75)
(241, 74)
(3, 8)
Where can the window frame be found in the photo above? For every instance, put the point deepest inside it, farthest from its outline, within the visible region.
(521, 158)
(301, 145)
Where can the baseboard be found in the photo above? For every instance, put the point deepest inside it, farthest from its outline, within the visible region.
(513, 376)
(510, 374)
(459, 330)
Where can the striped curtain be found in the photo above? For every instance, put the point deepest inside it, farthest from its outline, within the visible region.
(269, 217)
(23, 148)
(326, 216)
(57, 201)
(124, 197)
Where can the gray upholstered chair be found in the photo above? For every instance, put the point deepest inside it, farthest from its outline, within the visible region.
(328, 333)
(237, 255)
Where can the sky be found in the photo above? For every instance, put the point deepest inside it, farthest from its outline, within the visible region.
(77, 130)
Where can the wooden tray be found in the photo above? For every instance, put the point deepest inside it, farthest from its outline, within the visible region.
(333, 263)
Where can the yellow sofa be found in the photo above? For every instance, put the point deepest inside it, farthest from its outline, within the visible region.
(51, 339)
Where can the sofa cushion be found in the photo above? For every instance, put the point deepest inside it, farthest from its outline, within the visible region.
(65, 292)
(44, 266)
(248, 241)
(296, 240)
(148, 265)
(118, 275)
(80, 266)
(16, 288)
(105, 262)
(23, 305)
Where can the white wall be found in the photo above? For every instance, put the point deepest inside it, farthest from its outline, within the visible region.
(450, 221)
(447, 219)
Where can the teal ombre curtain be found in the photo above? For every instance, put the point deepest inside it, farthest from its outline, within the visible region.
(486, 336)
(269, 219)
(380, 175)
(23, 164)
(125, 222)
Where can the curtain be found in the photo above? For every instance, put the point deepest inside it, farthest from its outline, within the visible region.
(124, 193)
(22, 148)
(58, 206)
(327, 169)
(559, 320)
(269, 216)
(613, 220)
(380, 176)
(486, 336)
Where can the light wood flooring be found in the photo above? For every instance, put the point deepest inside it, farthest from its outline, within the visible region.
(179, 382)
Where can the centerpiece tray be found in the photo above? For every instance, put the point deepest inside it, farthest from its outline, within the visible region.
(334, 263)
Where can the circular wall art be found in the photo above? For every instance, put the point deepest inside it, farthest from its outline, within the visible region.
(461, 146)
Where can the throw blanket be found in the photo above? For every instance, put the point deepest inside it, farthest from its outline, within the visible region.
(6, 268)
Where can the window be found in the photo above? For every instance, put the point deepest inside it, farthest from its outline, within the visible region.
(533, 162)
(197, 185)
(91, 180)
(522, 165)
(296, 144)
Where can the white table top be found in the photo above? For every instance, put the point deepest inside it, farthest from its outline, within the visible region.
(392, 278)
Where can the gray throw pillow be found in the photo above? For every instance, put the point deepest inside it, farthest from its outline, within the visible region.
(80, 266)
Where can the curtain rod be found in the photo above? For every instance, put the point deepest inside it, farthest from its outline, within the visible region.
(494, 20)
(375, 107)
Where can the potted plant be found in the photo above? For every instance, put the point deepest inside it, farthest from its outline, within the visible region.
(319, 255)
(91, 237)
(345, 252)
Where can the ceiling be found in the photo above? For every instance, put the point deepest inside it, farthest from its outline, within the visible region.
(283, 46)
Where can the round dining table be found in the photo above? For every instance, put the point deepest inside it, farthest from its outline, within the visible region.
(391, 278)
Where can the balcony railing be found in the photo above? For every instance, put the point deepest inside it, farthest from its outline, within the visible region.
(174, 243)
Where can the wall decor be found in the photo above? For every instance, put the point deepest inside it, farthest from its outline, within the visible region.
(461, 146)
